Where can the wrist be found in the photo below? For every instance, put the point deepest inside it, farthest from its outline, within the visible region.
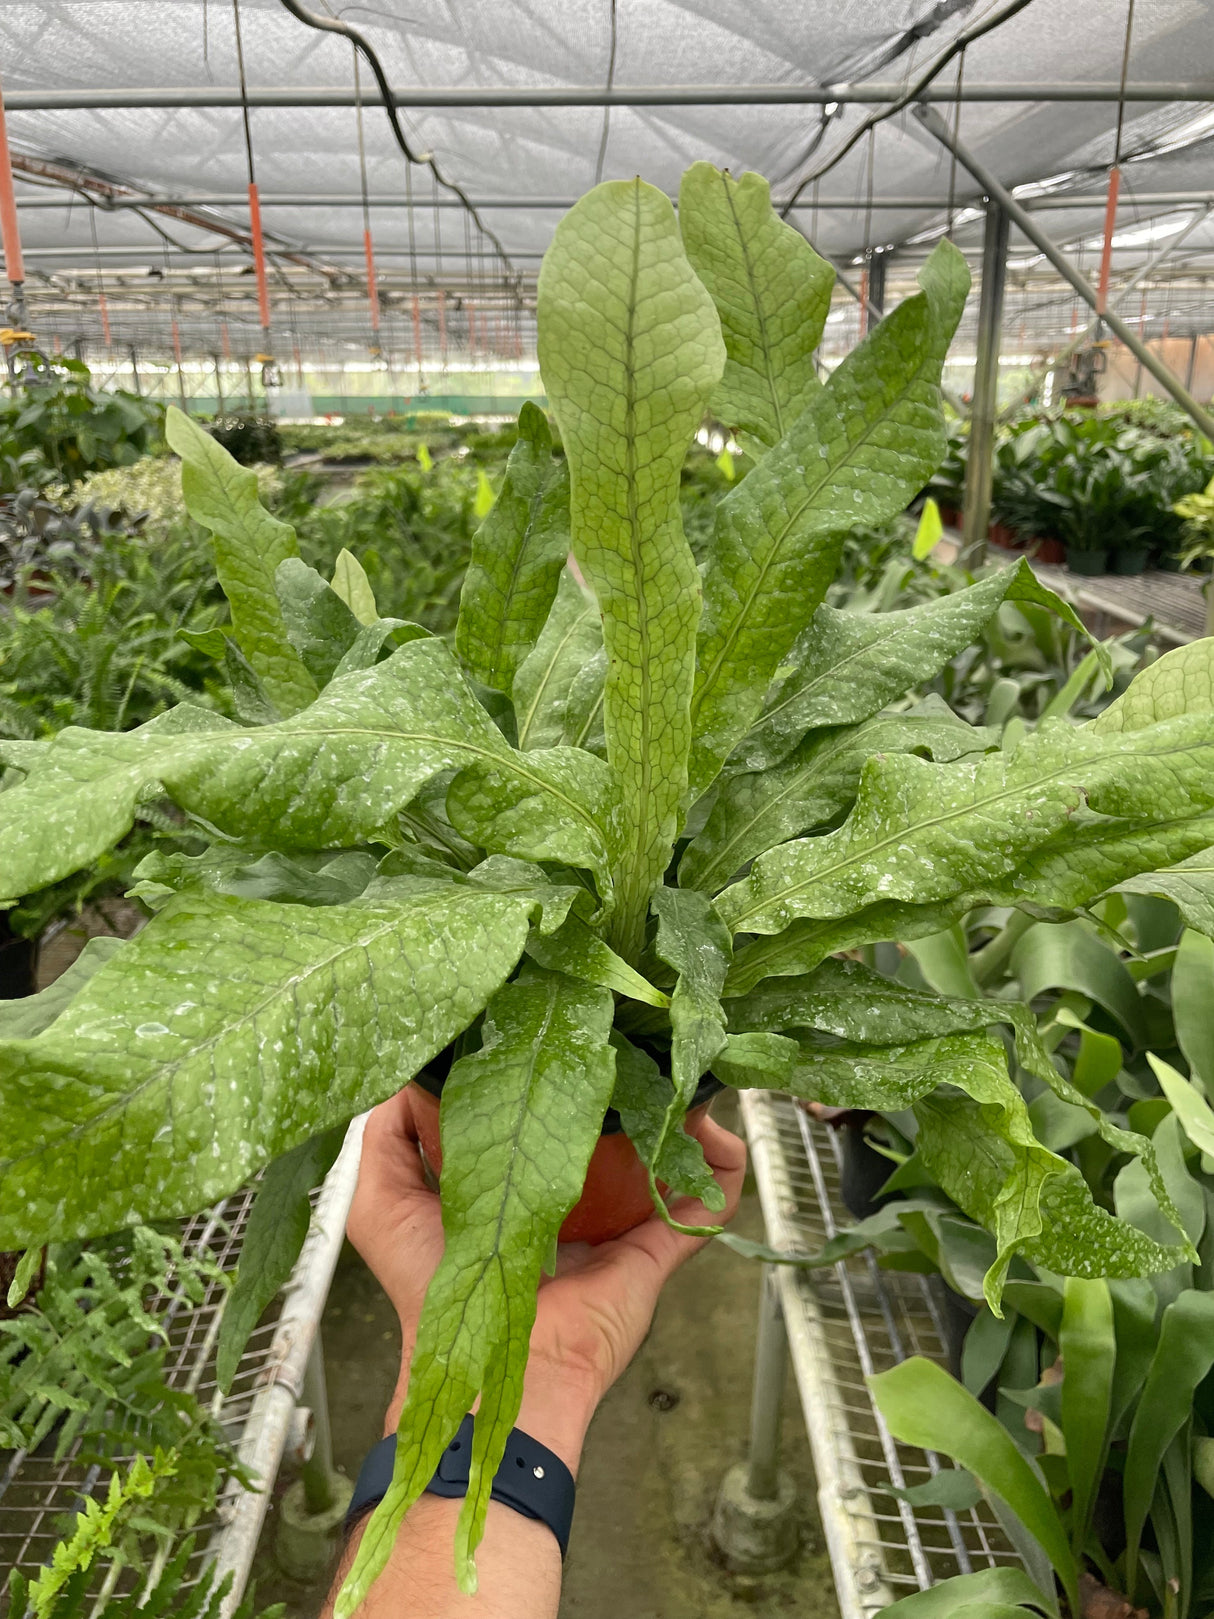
(556, 1407)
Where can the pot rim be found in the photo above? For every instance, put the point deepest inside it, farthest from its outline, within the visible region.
(708, 1087)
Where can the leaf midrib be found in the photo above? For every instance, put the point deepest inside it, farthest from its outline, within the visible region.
(778, 541)
(284, 986)
(760, 314)
(534, 505)
(542, 687)
(976, 807)
(811, 688)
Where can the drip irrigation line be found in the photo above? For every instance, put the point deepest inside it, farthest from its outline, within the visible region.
(965, 38)
(333, 25)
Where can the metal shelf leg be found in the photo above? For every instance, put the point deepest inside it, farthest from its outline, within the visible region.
(754, 1523)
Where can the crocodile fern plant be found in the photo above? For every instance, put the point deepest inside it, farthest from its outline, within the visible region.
(617, 836)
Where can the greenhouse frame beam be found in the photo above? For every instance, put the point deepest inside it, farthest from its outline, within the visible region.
(984, 410)
(1167, 379)
(387, 199)
(586, 95)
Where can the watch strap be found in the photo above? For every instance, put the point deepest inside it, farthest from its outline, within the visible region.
(531, 1479)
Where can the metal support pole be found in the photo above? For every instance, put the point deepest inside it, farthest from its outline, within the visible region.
(754, 1522)
(321, 1481)
(876, 283)
(979, 470)
(937, 126)
(767, 1395)
(871, 93)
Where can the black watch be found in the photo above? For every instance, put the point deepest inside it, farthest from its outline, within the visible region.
(532, 1479)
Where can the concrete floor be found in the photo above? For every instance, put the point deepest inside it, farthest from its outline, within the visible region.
(653, 1460)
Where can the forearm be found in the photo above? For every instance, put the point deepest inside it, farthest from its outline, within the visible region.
(518, 1561)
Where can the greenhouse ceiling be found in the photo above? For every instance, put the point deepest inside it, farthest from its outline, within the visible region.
(133, 139)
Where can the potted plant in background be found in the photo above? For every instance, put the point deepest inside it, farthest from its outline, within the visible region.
(609, 844)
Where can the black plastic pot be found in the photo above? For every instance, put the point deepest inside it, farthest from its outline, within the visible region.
(18, 963)
(1131, 561)
(863, 1170)
(1088, 563)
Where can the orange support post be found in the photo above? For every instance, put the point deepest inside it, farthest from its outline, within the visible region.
(10, 235)
(442, 324)
(105, 318)
(1106, 251)
(259, 256)
(372, 284)
(417, 329)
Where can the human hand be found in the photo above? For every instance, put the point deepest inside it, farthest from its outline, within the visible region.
(591, 1317)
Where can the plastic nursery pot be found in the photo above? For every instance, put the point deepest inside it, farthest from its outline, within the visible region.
(1130, 562)
(615, 1197)
(1043, 550)
(1087, 563)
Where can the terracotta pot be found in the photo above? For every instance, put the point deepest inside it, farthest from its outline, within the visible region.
(615, 1197)
(1047, 550)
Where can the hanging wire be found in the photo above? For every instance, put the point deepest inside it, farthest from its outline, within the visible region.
(332, 25)
(598, 167)
(967, 37)
(368, 249)
(1110, 210)
(244, 93)
(1125, 69)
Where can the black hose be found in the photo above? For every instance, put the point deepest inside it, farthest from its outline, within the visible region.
(332, 25)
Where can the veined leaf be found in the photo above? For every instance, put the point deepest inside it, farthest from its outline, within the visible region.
(926, 833)
(352, 585)
(644, 1098)
(1184, 1354)
(273, 1239)
(517, 556)
(630, 350)
(554, 804)
(249, 545)
(849, 665)
(1192, 976)
(28, 1015)
(520, 1118)
(330, 776)
(1070, 956)
(924, 1406)
(575, 948)
(772, 293)
(978, 1167)
(692, 939)
(992, 1593)
(819, 779)
(319, 624)
(1181, 682)
(853, 1003)
(135, 1103)
(1195, 1114)
(1088, 1346)
(862, 448)
(570, 638)
(1189, 884)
